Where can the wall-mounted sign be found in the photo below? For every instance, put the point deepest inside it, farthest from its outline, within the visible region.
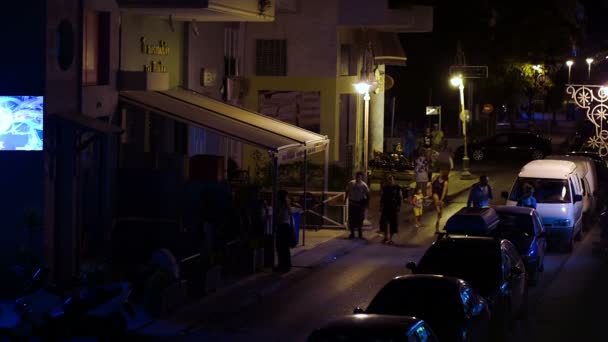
(155, 66)
(160, 49)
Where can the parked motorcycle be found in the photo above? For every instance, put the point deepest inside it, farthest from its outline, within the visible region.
(391, 161)
(95, 311)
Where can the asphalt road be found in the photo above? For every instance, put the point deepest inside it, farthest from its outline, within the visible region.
(324, 293)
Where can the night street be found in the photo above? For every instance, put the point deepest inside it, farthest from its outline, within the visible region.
(264, 170)
(569, 281)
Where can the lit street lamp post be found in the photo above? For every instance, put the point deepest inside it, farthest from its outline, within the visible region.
(457, 81)
(363, 89)
(589, 61)
(569, 64)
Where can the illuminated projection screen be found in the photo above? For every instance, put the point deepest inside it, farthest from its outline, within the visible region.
(21, 123)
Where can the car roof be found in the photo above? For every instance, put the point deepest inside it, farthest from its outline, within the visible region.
(428, 278)
(467, 240)
(508, 209)
(547, 168)
(471, 220)
(371, 322)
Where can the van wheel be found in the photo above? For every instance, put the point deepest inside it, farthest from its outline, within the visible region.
(537, 154)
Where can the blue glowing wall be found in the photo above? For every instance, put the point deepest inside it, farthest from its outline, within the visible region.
(21, 123)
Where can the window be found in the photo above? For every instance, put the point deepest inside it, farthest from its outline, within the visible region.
(271, 57)
(96, 48)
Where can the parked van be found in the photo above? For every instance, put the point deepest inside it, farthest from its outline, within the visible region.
(558, 192)
(588, 175)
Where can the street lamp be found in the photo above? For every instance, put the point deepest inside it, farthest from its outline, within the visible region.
(363, 89)
(457, 81)
(569, 64)
(589, 61)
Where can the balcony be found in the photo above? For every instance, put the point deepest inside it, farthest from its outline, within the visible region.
(204, 10)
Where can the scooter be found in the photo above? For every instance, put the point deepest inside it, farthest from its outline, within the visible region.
(93, 311)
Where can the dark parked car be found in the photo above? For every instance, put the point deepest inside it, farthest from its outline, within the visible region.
(601, 166)
(449, 305)
(524, 227)
(374, 328)
(508, 145)
(492, 266)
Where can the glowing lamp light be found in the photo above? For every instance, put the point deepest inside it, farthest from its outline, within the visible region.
(362, 87)
(456, 81)
(589, 60)
(604, 91)
(569, 63)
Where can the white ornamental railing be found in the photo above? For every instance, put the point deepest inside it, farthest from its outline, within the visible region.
(594, 100)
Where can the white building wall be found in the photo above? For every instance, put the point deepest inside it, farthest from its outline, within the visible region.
(311, 37)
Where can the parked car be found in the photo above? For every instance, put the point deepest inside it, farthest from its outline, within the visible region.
(508, 145)
(601, 164)
(374, 328)
(558, 191)
(449, 305)
(524, 228)
(492, 266)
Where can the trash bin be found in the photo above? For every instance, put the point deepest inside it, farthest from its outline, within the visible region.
(296, 225)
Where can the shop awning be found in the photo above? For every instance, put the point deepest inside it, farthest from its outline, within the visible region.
(286, 141)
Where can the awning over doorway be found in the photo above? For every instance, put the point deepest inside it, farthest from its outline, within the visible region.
(286, 141)
(387, 48)
(88, 122)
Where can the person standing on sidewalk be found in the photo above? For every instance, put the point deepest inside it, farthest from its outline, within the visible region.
(439, 190)
(284, 231)
(480, 194)
(421, 171)
(357, 195)
(390, 204)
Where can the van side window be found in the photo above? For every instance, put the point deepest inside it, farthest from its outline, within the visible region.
(585, 187)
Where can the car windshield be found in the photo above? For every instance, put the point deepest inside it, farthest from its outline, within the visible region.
(545, 190)
(478, 265)
(512, 225)
(430, 300)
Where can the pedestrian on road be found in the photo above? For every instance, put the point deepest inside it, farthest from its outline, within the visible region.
(437, 138)
(439, 190)
(427, 139)
(446, 163)
(390, 204)
(480, 194)
(528, 199)
(284, 231)
(357, 195)
(410, 141)
(421, 171)
(418, 205)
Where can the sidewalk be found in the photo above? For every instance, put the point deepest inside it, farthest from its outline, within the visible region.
(321, 248)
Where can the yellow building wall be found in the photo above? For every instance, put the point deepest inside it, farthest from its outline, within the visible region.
(329, 107)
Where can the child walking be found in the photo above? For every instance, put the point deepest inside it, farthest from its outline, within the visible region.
(418, 204)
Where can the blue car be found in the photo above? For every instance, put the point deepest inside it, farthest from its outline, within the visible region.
(524, 228)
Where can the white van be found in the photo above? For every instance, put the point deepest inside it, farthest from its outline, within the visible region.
(588, 175)
(558, 192)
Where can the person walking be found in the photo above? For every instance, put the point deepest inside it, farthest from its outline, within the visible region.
(421, 171)
(357, 195)
(418, 205)
(284, 231)
(437, 138)
(439, 190)
(480, 194)
(445, 160)
(390, 204)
